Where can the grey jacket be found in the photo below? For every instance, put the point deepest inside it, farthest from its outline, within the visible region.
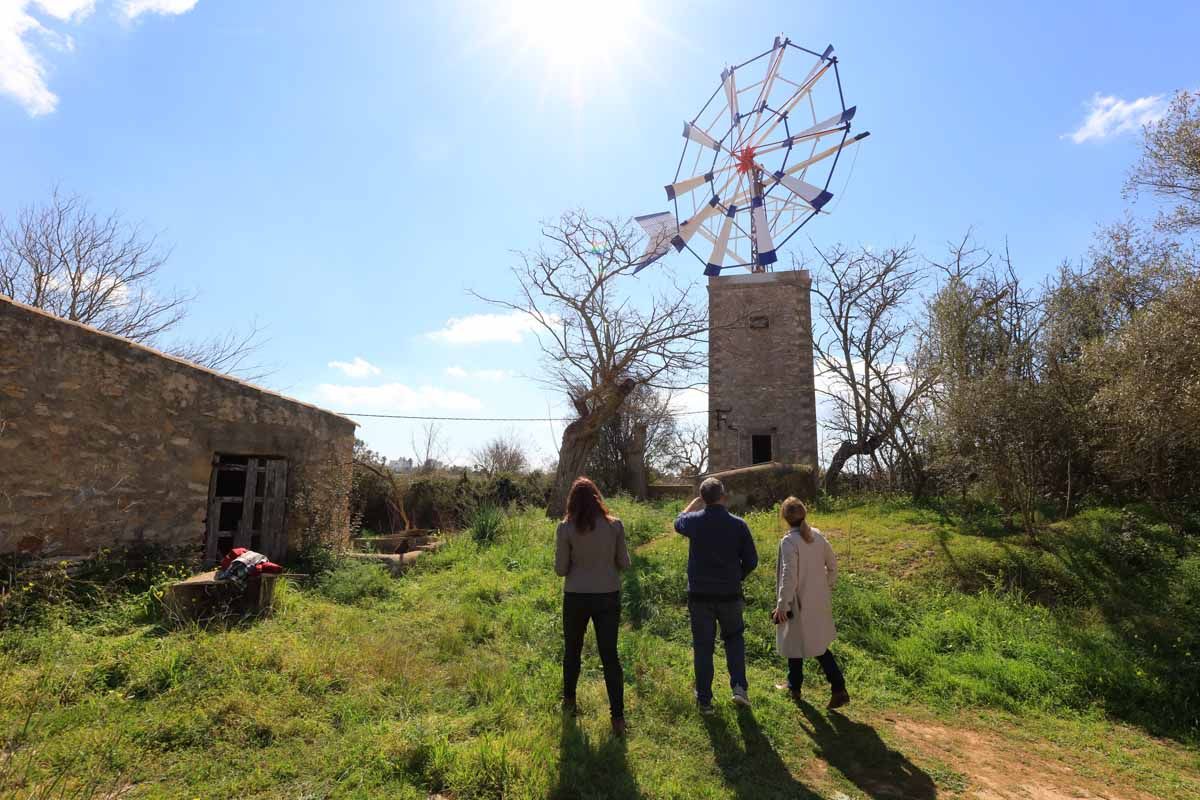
(591, 562)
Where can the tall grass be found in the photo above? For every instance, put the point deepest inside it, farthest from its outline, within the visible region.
(447, 681)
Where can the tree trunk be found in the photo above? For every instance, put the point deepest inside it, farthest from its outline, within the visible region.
(636, 482)
(845, 452)
(578, 439)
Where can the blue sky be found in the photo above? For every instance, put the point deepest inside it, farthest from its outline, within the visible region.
(343, 172)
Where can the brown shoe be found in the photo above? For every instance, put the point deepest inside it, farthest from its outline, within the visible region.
(618, 726)
(838, 699)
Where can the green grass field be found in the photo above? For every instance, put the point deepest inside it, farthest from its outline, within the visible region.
(981, 664)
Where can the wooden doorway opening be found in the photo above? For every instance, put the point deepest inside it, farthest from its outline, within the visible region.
(247, 500)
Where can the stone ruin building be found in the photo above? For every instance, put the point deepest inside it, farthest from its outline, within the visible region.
(106, 443)
(761, 387)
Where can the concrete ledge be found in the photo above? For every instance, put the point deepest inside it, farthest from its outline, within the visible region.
(764, 485)
(395, 563)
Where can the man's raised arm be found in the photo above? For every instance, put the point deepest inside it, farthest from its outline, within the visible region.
(681, 522)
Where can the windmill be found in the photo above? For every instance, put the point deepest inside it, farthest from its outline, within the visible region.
(757, 161)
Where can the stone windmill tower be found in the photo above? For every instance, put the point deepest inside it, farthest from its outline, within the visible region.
(742, 189)
(761, 387)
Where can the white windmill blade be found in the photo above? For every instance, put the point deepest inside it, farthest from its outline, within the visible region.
(837, 122)
(768, 80)
(695, 182)
(688, 185)
(688, 229)
(729, 82)
(697, 135)
(762, 233)
(822, 64)
(808, 162)
(814, 196)
(720, 246)
(804, 89)
(792, 141)
(658, 241)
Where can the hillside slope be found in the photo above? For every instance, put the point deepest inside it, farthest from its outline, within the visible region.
(446, 681)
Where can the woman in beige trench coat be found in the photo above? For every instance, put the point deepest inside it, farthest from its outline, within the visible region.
(804, 577)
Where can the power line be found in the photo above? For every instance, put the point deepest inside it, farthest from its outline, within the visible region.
(490, 419)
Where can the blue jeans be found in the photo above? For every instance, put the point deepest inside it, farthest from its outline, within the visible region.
(706, 616)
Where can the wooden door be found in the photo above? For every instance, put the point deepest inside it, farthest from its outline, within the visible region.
(247, 506)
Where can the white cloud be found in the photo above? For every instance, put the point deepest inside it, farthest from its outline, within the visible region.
(692, 402)
(22, 71)
(489, 375)
(25, 41)
(358, 368)
(132, 9)
(396, 398)
(1109, 116)
(65, 9)
(480, 328)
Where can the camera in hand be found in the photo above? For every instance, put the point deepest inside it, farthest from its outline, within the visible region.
(789, 616)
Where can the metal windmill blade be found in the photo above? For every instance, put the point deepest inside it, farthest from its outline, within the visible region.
(757, 161)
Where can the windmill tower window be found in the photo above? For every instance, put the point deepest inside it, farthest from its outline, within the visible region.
(760, 448)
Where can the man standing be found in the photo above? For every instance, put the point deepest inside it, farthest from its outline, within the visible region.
(720, 555)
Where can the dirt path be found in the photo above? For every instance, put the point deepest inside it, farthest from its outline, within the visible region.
(990, 759)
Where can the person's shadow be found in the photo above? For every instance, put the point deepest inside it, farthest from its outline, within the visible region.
(751, 767)
(586, 771)
(855, 750)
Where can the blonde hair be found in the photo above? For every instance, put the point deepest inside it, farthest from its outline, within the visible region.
(796, 515)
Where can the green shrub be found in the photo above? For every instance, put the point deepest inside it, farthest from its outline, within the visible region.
(486, 524)
(354, 581)
(109, 583)
(443, 500)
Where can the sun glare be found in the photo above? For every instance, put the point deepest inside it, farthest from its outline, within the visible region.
(578, 41)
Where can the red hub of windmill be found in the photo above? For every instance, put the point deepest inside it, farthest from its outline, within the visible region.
(745, 160)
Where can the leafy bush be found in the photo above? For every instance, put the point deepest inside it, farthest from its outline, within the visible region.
(31, 592)
(354, 581)
(443, 500)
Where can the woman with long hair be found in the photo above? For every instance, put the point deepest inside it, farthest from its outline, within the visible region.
(803, 615)
(590, 552)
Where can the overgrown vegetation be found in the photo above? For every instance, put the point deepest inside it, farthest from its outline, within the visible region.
(956, 375)
(447, 679)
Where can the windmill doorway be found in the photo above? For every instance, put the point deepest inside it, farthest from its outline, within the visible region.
(760, 448)
(246, 506)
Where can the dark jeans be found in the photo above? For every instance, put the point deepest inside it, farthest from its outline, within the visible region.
(604, 610)
(832, 672)
(706, 616)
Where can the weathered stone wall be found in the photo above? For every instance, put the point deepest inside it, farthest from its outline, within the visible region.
(104, 442)
(760, 371)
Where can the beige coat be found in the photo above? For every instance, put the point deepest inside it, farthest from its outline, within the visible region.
(804, 578)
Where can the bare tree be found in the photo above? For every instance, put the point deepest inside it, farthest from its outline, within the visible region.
(688, 451)
(1170, 164)
(429, 447)
(864, 351)
(632, 441)
(99, 270)
(503, 454)
(600, 336)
